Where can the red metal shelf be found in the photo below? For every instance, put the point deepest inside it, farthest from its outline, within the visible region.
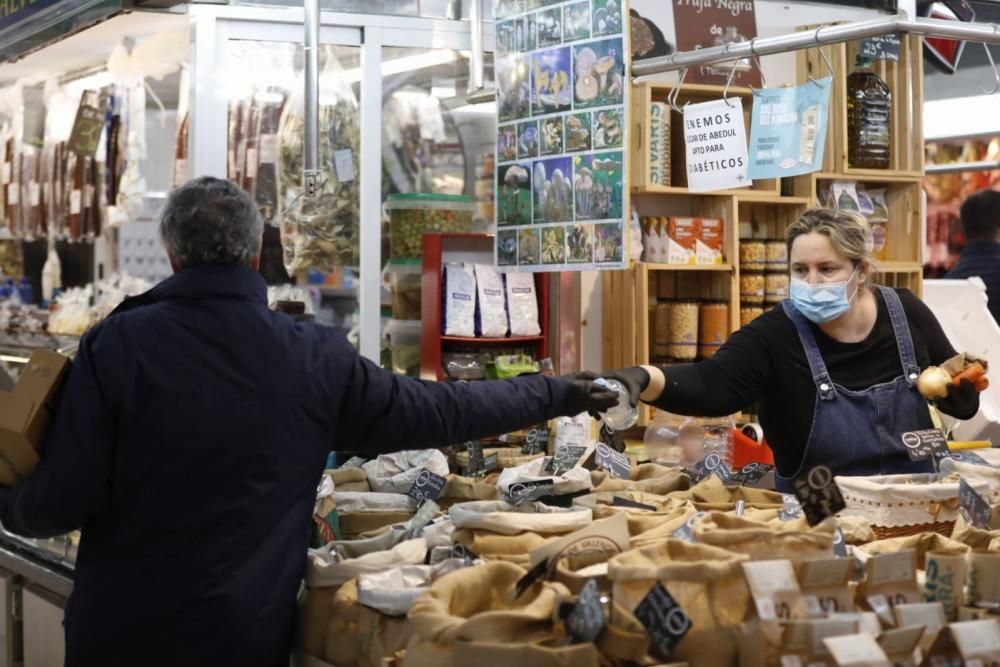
(492, 341)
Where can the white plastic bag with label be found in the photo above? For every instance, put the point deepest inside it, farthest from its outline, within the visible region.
(459, 300)
(522, 304)
(491, 309)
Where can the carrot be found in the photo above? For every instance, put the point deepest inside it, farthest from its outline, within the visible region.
(971, 373)
(982, 383)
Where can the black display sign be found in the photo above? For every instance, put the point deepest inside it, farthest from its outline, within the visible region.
(611, 438)
(89, 124)
(425, 514)
(625, 502)
(819, 495)
(566, 458)
(839, 545)
(427, 486)
(617, 464)
(714, 465)
(970, 457)
(752, 473)
(686, 532)
(974, 507)
(459, 551)
(534, 574)
(586, 622)
(883, 47)
(353, 462)
(696, 474)
(663, 618)
(791, 508)
(522, 492)
(477, 464)
(491, 463)
(536, 442)
(926, 444)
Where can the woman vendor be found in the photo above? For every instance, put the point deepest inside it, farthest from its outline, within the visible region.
(834, 368)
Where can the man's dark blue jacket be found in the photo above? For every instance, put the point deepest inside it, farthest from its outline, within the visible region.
(188, 444)
(981, 259)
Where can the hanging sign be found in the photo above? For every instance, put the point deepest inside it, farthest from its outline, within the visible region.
(715, 142)
(883, 47)
(701, 24)
(788, 130)
(562, 87)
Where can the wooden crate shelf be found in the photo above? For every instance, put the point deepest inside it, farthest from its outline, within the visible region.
(652, 266)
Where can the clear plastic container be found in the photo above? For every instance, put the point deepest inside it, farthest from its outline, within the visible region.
(661, 438)
(701, 438)
(622, 416)
(411, 215)
(404, 346)
(404, 278)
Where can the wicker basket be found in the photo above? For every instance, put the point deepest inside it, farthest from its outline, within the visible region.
(904, 505)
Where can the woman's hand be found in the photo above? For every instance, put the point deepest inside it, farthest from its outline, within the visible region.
(636, 379)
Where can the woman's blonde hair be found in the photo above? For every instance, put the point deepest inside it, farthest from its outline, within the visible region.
(848, 232)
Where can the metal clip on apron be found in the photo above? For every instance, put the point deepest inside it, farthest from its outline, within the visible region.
(858, 432)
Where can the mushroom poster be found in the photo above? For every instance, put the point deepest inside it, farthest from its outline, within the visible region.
(561, 193)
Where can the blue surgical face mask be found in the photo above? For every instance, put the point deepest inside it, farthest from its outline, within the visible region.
(822, 302)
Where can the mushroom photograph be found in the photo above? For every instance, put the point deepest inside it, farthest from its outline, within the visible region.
(599, 71)
(513, 93)
(527, 139)
(549, 26)
(514, 194)
(551, 90)
(576, 21)
(553, 245)
(578, 132)
(510, 37)
(607, 17)
(507, 143)
(608, 246)
(507, 247)
(552, 135)
(580, 244)
(553, 190)
(597, 185)
(505, 8)
(528, 247)
(608, 129)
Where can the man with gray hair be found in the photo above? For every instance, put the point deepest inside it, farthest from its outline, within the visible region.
(190, 437)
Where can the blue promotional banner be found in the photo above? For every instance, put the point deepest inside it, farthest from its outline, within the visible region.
(788, 130)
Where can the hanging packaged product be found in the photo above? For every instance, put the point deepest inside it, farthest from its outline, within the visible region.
(788, 129)
(713, 327)
(491, 309)
(710, 241)
(522, 302)
(844, 196)
(459, 300)
(869, 111)
(682, 240)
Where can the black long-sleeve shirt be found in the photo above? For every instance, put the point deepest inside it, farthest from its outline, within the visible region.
(188, 444)
(764, 363)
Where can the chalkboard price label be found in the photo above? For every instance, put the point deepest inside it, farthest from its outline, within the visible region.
(882, 47)
(566, 458)
(663, 618)
(536, 442)
(612, 438)
(477, 463)
(522, 492)
(617, 464)
(586, 622)
(752, 473)
(926, 444)
(427, 486)
(819, 495)
(970, 457)
(974, 508)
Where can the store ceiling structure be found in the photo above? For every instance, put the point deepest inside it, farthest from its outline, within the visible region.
(974, 69)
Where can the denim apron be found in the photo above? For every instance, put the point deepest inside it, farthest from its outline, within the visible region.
(858, 432)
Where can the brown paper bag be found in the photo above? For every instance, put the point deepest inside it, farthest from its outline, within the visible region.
(921, 544)
(706, 582)
(795, 540)
(826, 587)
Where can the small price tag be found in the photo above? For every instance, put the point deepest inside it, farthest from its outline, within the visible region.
(353, 462)
(536, 442)
(611, 438)
(75, 202)
(839, 545)
(586, 622)
(523, 492)
(477, 463)
(268, 145)
(926, 444)
(880, 605)
(696, 474)
(970, 457)
(13, 194)
(714, 464)
(791, 508)
(819, 495)
(812, 606)
(534, 574)
(618, 465)
(490, 463)
(427, 486)
(566, 458)
(752, 473)
(5, 173)
(883, 47)
(974, 507)
(34, 194)
(343, 163)
(625, 502)
(425, 514)
(686, 532)
(766, 610)
(460, 552)
(663, 618)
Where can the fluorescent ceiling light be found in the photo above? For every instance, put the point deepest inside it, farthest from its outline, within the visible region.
(980, 115)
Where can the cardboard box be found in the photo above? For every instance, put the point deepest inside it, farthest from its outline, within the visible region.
(26, 414)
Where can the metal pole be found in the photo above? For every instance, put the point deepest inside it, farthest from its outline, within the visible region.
(476, 61)
(956, 167)
(311, 174)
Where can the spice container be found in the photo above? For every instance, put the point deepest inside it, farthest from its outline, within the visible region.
(404, 283)
(411, 215)
(749, 313)
(661, 329)
(753, 255)
(713, 327)
(404, 344)
(683, 331)
(775, 286)
(752, 287)
(776, 255)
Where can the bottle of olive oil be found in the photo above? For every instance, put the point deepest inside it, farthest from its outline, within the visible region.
(869, 106)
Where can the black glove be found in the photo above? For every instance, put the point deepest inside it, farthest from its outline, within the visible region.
(582, 395)
(962, 401)
(635, 379)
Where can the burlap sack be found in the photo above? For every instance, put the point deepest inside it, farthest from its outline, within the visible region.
(574, 480)
(392, 592)
(396, 472)
(462, 489)
(922, 544)
(354, 525)
(543, 654)
(361, 637)
(711, 494)
(794, 540)
(706, 582)
(477, 605)
(976, 538)
(646, 478)
(639, 520)
(349, 479)
(492, 546)
(506, 519)
(682, 513)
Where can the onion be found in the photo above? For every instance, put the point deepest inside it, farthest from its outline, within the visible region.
(933, 383)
